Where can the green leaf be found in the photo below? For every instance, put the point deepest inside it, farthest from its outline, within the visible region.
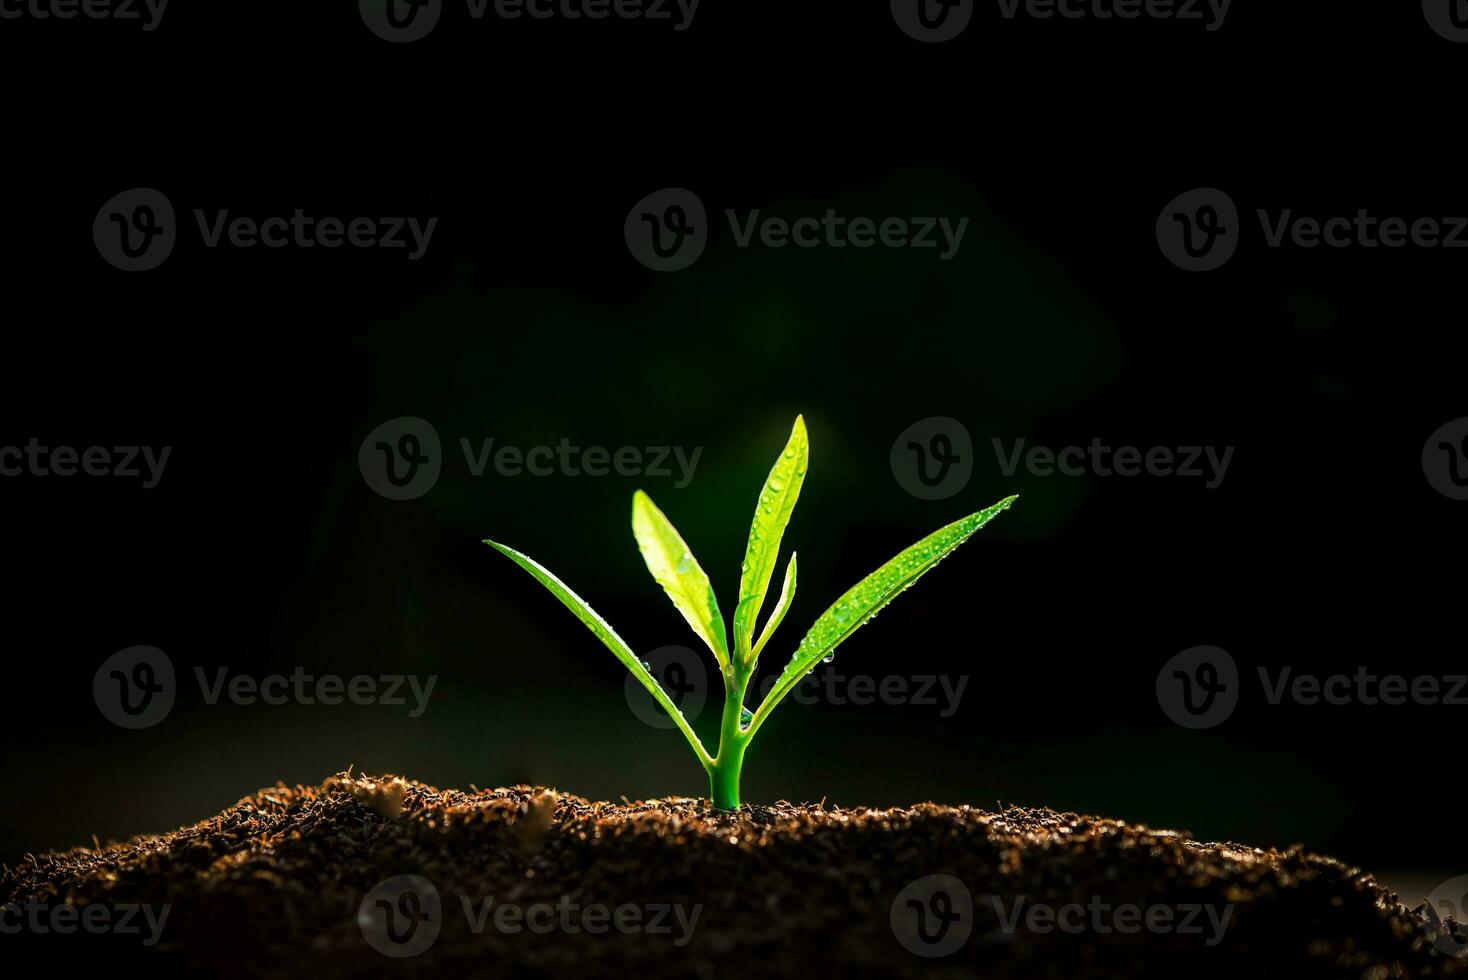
(608, 636)
(787, 593)
(771, 515)
(868, 597)
(678, 572)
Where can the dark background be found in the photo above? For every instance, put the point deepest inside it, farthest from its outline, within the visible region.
(528, 321)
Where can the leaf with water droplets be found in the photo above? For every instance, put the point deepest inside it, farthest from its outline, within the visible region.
(678, 572)
(787, 593)
(608, 636)
(771, 515)
(869, 596)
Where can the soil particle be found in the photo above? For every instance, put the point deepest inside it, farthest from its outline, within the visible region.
(343, 879)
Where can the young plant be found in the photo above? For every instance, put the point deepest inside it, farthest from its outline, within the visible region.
(678, 572)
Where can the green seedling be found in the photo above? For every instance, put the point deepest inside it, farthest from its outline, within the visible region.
(673, 566)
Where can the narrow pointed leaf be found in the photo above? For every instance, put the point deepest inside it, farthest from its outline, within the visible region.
(868, 597)
(771, 515)
(787, 593)
(608, 636)
(678, 572)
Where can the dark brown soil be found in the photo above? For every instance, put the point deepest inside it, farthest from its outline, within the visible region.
(283, 883)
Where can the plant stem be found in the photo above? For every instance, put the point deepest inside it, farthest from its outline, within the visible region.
(725, 769)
